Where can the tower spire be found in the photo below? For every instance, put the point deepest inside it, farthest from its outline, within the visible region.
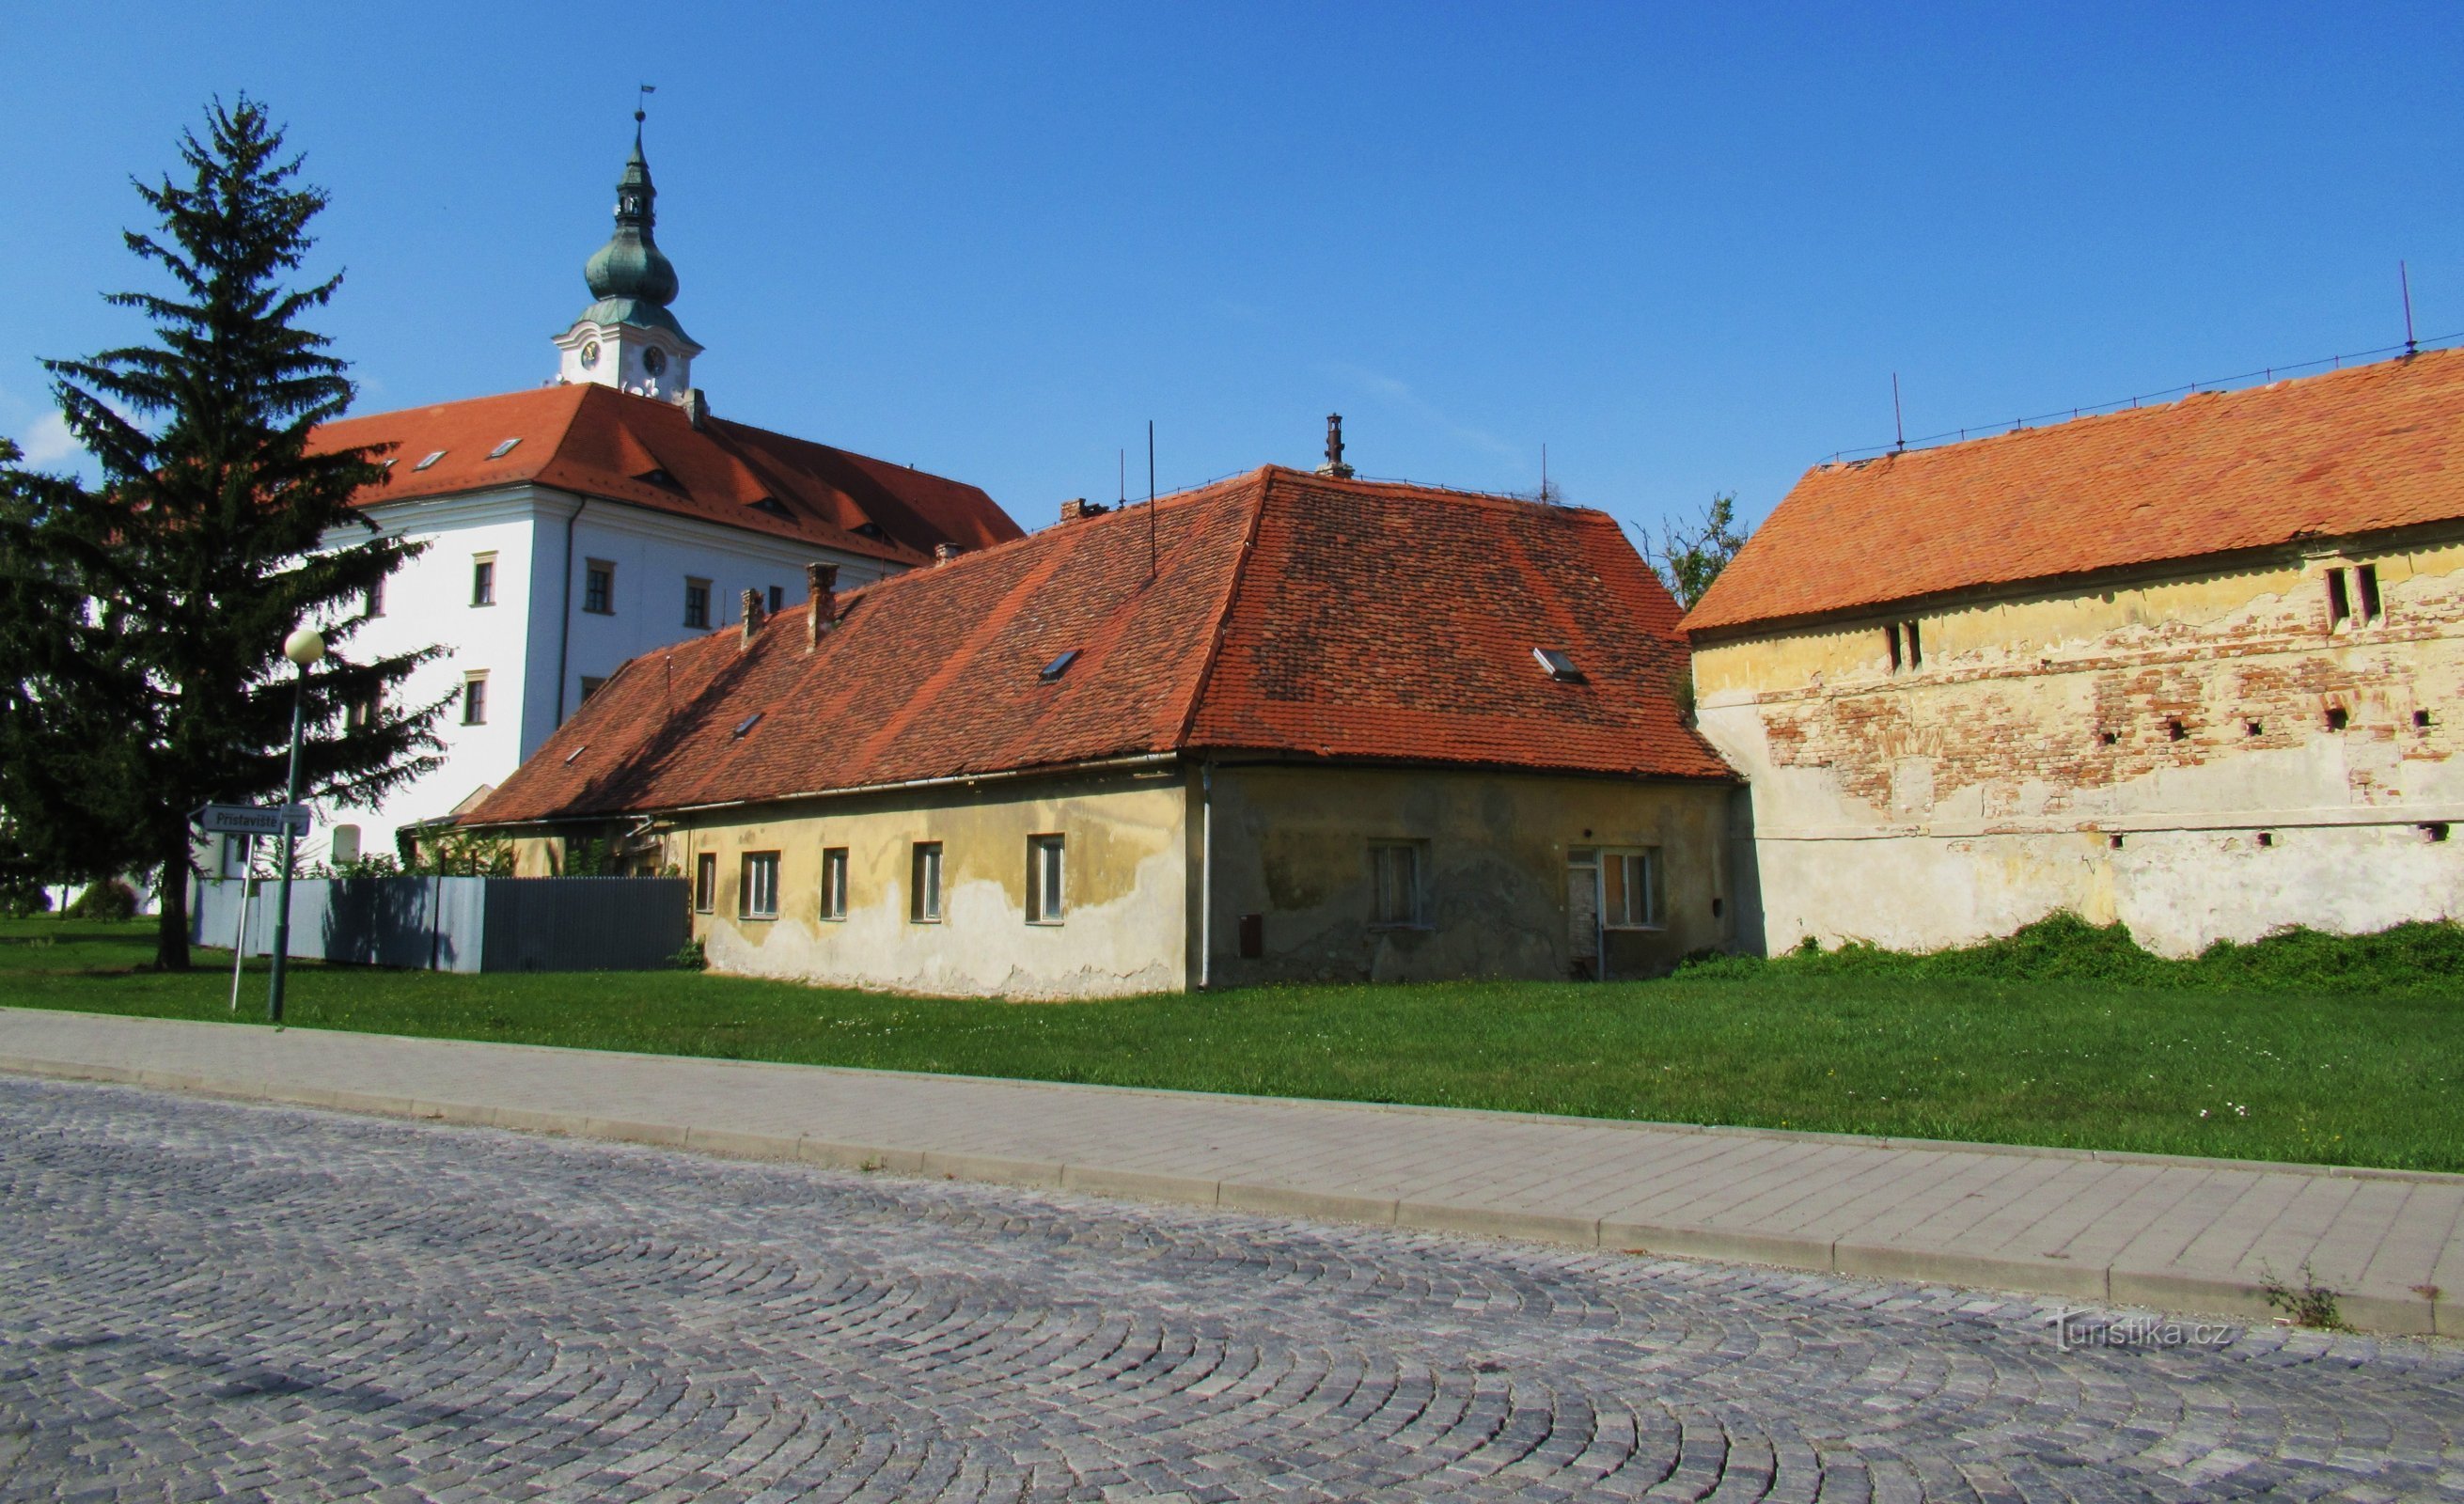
(626, 338)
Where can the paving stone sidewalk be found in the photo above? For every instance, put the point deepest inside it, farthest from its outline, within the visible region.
(2154, 1231)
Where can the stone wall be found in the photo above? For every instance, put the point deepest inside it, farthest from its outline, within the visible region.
(2206, 753)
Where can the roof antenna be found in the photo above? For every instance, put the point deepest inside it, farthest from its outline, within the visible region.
(1899, 425)
(1151, 498)
(2403, 280)
(1544, 472)
(1125, 479)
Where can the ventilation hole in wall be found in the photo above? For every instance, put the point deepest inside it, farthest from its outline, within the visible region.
(2108, 737)
(2435, 830)
(1715, 903)
(2253, 728)
(2175, 731)
(2267, 838)
(2421, 720)
(2338, 718)
(1253, 936)
(2114, 841)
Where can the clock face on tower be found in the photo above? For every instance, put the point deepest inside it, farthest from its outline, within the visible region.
(591, 356)
(654, 360)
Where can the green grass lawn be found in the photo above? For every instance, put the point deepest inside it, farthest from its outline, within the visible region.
(2350, 1062)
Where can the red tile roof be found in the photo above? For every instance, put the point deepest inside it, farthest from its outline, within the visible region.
(2347, 452)
(1290, 613)
(596, 440)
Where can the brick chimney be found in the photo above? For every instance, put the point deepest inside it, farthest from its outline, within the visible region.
(1073, 510)
(822, 593)
(752, 626)
(944, 553)
(1334, 465)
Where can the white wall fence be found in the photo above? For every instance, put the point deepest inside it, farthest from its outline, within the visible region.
(459, 924)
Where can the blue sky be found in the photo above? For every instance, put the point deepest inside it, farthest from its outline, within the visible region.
(1684, 248)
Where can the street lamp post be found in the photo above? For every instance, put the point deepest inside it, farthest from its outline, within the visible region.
(303, 647)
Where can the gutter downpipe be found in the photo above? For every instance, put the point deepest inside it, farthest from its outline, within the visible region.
(1206, 875)
(565, 618)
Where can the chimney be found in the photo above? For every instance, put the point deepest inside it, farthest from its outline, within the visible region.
(1073, 510)
(1334, 465)
(822, 594)
(752, 626)
(697, 409)
(944, 553)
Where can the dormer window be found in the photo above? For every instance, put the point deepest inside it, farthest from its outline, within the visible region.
(868, 530)
(657, 476)
(1554, 663)
(770, 505)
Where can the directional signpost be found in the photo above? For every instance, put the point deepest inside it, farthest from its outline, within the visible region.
(249, 821)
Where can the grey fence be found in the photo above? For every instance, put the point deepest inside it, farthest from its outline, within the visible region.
(459, 924)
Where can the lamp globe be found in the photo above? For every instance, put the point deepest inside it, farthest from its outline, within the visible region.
(304, 646)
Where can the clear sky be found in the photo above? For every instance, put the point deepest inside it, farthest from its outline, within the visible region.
(1684, 247)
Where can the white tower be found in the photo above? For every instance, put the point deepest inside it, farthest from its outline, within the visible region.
(627, 338)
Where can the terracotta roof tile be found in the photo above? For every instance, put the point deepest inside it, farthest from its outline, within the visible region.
(2347, 452)
(1288, 615)
(596, 440)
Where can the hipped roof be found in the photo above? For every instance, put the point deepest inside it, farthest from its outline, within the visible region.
(1287, 614)
(2347, 452)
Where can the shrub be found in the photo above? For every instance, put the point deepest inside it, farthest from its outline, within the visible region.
(23, 900)
(689, 957)
(111, 900)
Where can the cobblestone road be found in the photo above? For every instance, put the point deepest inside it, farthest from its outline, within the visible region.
(199, 1299)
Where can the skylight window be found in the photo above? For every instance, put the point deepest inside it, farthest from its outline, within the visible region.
(576, 752)
(433, 458)
(1058, 667)
(1554, 661)
(749, 722)
(389, 464)
(503, 450)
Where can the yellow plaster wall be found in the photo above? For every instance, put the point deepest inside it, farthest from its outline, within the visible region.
(1292, 845)
(1983, 789)
(1123, 890)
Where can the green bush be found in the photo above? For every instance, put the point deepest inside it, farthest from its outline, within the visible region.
(689, 957)
(112, 900)
(23, 900)
(2064, 947)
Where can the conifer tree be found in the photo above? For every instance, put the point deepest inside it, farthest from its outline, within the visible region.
(142, 619)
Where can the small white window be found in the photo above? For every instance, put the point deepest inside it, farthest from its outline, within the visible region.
(705, 881)
(924, 900)
(432, 459)
(375, 597)
(483, 579)
(1044, 899)
(1630, 889)
(475, 699)
(599, 588)
(1557, 665)
(759, 893)
(697, 602)
(834, 881)
(1394, 884)
(503, 450)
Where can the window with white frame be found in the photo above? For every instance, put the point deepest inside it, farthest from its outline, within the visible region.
(1394, 882)
(483, 579)
(705, 881)
(1630, 889)
(1043, 891)
(758, 895)
(697, 602)
(924, 895)
(475, 698)
(599, 588)
(834, 881)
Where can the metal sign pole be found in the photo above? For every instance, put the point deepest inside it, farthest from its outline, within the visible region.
(290, 848)
(239, 939)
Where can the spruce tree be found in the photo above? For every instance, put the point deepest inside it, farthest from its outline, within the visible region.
(144, 619)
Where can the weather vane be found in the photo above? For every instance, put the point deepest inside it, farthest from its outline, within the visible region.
(642, 99)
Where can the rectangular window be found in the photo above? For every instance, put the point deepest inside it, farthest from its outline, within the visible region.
(1916, 645)
(483, 579)
(834, 881)
(475, 699)
(777, 599)
(1630, 889)
(1394, 884)
(705, 882)
(697, 602)
(758, 895)
(599, 588)
(1892, 632)
(590, 685)
(360, 712)
(924, 894)
(1043, 906)
(2366, 580)
(376, 599)
(2339, 604)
